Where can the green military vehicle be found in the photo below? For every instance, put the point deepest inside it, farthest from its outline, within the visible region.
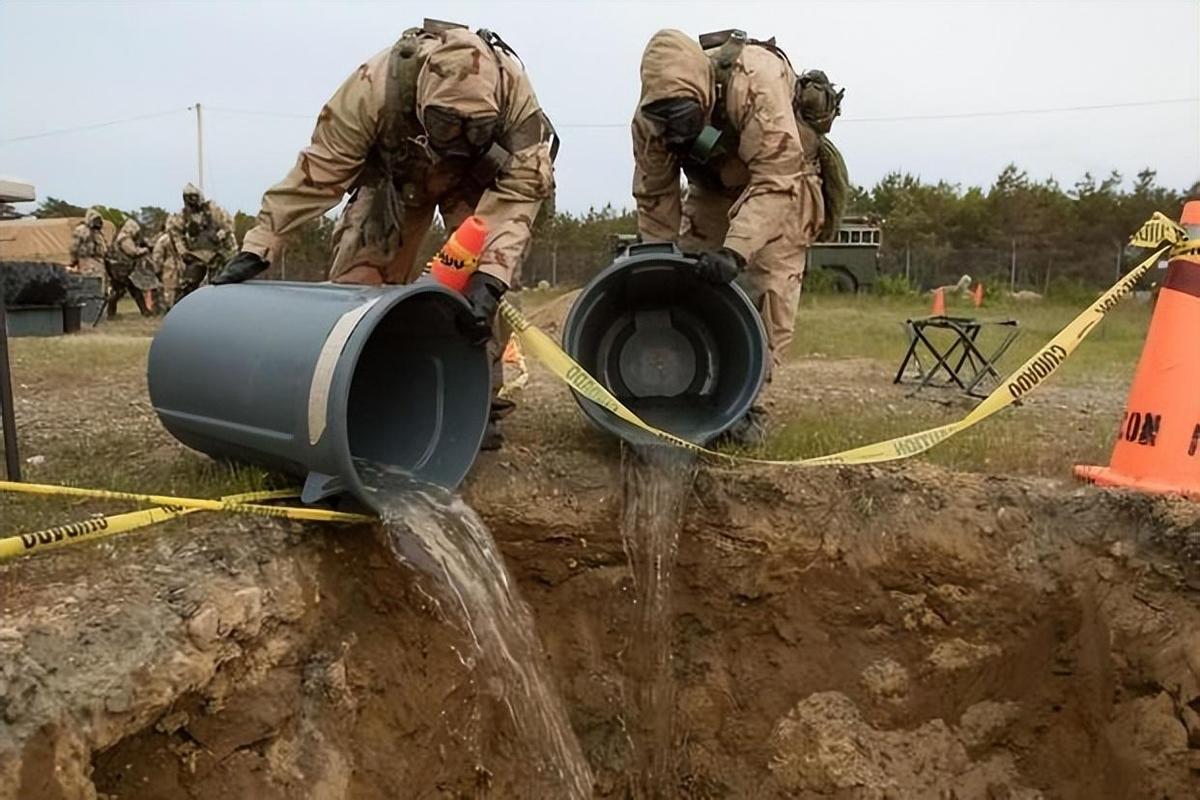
(853, 260)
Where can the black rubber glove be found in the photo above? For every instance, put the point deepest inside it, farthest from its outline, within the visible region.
(483, 292)
(719, 266)
(241, 267)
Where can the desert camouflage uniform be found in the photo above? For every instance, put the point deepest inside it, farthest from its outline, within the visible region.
(348, 154)
(88, 246)
(762, 200)
(128, 255)
(396, 186)
(203, 241)
(167, 267)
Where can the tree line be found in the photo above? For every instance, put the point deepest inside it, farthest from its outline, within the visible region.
(932, 232)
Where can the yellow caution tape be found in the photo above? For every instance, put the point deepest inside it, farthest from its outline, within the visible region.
(224, 504)
(1033, 373)
(101, 527)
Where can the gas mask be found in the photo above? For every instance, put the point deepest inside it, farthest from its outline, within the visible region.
(684, 127)
(192, 202)
(96, 224)
(454, 137)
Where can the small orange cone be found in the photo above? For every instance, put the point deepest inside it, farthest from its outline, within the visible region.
(1158, 443)
(939, 303)
(977, 295)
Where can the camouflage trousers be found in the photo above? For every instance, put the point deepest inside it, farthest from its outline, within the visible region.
(773, 277)
(395, 261)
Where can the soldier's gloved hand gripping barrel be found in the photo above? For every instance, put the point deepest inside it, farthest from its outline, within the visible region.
(686, 355)
(319, 379)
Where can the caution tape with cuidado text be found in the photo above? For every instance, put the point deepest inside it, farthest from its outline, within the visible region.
(101, 527)
(1158, 231)
(169, 507)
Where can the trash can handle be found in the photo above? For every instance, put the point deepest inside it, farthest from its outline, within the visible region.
(651, 248)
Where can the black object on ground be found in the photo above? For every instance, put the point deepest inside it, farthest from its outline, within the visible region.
(957, 359)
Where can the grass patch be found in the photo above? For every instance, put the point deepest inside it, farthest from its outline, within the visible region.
(1043, 441)
(867, 326)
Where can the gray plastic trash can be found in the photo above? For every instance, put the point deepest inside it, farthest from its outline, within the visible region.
(310, 378)
(685, 355)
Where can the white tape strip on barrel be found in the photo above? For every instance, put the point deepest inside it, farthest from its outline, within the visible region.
(322, 380)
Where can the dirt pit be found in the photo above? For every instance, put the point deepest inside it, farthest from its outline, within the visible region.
(852, 633)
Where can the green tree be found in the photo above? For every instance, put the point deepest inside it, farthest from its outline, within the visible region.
(52, 207)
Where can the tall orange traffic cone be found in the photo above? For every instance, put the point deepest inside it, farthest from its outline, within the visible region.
(977, 295)
(939, 303)
(1158, 444)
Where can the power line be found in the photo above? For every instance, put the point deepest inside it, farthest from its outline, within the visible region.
(955, 115)
(1013, 112)
(93, 126)
(600, 125)
(255, 113)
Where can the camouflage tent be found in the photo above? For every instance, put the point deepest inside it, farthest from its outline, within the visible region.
(46, 240)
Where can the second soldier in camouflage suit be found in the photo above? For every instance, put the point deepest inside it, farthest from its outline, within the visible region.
(203, 239)
(753, 202)
(167, 268)
(445, 121)
(128, 254)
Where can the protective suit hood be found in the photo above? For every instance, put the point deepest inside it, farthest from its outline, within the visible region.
(461, 73)
(90, 217)
(131, 228)
(191, 189)
(673, 65)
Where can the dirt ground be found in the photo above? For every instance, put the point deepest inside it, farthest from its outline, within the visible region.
(904, 631)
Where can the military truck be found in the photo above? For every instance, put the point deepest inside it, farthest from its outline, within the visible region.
(853, 260)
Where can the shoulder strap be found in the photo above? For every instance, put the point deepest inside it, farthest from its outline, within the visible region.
(400, 93)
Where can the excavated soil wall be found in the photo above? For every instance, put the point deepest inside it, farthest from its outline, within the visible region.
(852, 633)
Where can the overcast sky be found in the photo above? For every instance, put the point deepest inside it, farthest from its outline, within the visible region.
(68, 65)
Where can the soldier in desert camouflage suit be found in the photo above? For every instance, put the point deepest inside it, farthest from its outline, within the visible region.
(167, 268)
(444, 121)
(202, 237)
(128, 253)
(753, 201)
(88, 246)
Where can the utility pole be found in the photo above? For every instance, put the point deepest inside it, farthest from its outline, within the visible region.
(199, 146)
(12, 458)
(1012, 277)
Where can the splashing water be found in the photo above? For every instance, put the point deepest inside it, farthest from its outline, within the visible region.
(656, 482)
(438, 533)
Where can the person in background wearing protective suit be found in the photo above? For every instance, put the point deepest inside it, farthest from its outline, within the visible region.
(167, 269)
(726, 112)
(203, 238)
(88, 246)
(445, 121)
(128, 253)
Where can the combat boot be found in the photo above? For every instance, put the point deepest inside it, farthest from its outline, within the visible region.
(749, 431)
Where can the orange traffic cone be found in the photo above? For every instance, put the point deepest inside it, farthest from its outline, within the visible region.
(977, 295)
(1158, 444)
(939, 303)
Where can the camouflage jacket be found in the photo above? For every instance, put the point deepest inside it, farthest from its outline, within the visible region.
(87, 243)
(206, 234)
(773, 171)
(349, 147)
